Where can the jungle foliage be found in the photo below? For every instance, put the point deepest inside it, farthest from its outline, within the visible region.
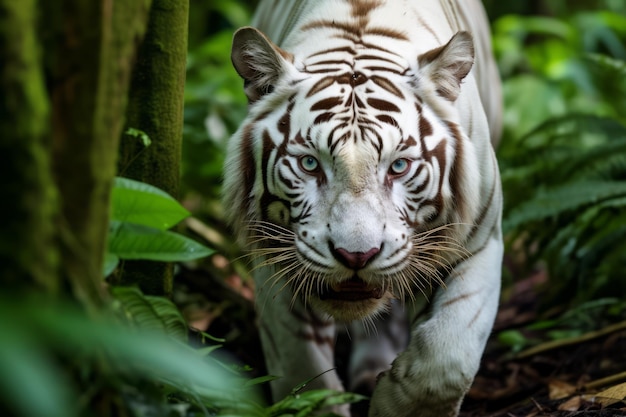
(563, 165)
(562, 157)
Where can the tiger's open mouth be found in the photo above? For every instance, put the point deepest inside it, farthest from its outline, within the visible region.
(354, 289)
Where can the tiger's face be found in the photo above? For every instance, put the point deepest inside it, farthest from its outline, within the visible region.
(347, 176)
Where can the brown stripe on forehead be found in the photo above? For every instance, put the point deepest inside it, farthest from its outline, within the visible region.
(387, 32)
(330, 63)
(375, 47)
(352, 27)
(387, 85)
(425, 128)
(347, 49)
(327, 103)
(428, 28)
(284, 123)
(385, 118)
(371, 57)
(358, 27)
(361, 8)
(320, 85)
(384, 105)
(320, 70)
(299, 139)
(378, 68)
(324, 117)
(407, 143)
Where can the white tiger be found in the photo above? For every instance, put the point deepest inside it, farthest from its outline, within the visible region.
(364, 173)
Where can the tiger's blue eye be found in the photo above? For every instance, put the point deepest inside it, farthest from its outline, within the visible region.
(309, 163)
(399, 167)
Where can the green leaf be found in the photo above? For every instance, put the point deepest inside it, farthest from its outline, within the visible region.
(513, 338)
(209, 349)
(309, 403)
(35, 384)
(211, 337)
(141, 203)
(151, 312)
(564, 334)
(557, 200)
(30, 382)
(110, 263)
(131, 241)
(139, 134)
(261, 380)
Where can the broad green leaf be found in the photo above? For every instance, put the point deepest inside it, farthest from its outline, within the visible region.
(30, 381)
(141, 352)
(110, 263)
(131, 241)
(141, 203)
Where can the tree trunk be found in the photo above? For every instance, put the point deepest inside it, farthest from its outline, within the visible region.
(156, 108)
(60, 137)
(27, 252)
(90, 50)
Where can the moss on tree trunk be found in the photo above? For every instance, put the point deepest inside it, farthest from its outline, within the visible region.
(59, 139)
(156, 108)
(90, 49)
(27, 251)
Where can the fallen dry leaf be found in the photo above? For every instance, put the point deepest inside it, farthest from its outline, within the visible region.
(609, 396)
(559, 389)
(573, 404)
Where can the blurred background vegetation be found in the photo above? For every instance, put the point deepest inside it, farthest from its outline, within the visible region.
(563, 163)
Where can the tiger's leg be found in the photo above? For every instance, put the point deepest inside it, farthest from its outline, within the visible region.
(430, 378)
(375, 344)
(298, 345)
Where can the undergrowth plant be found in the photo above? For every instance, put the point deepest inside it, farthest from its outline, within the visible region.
(132, 356)
(563, 155)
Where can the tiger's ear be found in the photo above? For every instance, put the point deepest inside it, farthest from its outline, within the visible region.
(258, 61)
(449, 64)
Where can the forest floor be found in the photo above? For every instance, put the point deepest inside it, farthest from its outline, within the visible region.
(576, 377)
(580, 376)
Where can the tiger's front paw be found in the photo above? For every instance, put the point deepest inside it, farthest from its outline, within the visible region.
(421, 389)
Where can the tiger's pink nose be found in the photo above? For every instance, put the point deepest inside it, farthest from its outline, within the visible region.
(354, 260)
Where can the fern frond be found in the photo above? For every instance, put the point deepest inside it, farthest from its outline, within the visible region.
(558, 200)
(616, 67)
